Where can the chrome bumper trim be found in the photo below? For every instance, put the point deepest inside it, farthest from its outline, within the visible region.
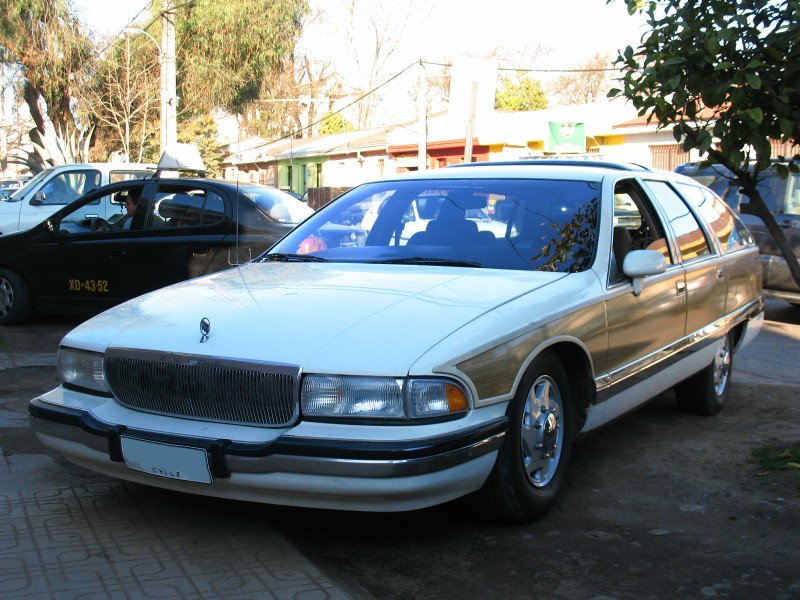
(287, 453)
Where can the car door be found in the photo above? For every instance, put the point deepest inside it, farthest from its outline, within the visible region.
(81, 258)
(642, 329)
(742, 266)
(183, 228)
(704, 266)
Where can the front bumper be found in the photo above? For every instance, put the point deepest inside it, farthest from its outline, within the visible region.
(318, 465)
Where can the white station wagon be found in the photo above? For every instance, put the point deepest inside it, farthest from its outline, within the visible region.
(379, 371)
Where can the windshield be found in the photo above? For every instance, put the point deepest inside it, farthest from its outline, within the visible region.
(36, 179)
(530, 224)
(277, 205)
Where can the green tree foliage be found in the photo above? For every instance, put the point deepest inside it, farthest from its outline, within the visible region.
(725, 75)
(523, 94)
(228, 52)
(43, 42)
(202, 132)
(334, 123)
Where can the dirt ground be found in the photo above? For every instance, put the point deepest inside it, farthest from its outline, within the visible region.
(662, 504)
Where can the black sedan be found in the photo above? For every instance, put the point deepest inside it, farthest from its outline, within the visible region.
(165, 231)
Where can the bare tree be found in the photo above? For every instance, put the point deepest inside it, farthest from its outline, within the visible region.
(123, 97)
(375, 32)
(589, 82)
(437, 85)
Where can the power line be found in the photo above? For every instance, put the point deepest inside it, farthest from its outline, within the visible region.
(519, 70)
(291, 134)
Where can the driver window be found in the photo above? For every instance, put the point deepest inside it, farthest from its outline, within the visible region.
(692, 242)
(87, 218)
(635, 227)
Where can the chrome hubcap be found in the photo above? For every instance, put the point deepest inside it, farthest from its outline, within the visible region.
(722, 365)
(6, 297)
(542, 434)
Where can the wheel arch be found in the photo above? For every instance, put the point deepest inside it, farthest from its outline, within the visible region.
(738, 334)
(580, 374)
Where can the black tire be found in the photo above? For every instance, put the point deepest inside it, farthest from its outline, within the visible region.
(15, 299)
(532, 463)
(706, 392)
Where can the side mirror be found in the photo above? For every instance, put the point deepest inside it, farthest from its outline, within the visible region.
(639, 264)
(38, 199)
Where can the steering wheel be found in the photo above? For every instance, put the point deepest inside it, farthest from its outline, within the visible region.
(99, 224)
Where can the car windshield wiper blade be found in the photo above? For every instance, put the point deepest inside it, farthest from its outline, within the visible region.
(288, 257)
(423, 260)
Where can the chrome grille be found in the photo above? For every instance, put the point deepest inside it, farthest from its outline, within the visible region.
(205, 389)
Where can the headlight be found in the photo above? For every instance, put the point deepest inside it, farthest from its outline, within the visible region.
(381, 397)
(82, 368)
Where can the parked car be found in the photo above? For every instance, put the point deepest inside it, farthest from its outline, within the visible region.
(84, 260)
(9, 185)
(57, 186)
(389, 375)
(782, 197)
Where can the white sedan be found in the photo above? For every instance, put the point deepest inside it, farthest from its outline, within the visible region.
(377, 372)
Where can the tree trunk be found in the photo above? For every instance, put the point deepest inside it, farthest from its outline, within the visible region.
(32, 95)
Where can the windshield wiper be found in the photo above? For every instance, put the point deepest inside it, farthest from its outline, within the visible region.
(422, 260)
(288, 257)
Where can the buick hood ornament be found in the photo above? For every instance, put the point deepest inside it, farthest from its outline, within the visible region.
(205, 329)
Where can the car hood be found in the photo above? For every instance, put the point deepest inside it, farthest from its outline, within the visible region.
(355, 318)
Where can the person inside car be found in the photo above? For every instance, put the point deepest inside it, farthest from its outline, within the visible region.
(131, 201)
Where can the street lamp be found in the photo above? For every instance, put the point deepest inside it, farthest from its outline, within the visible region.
(166, 59)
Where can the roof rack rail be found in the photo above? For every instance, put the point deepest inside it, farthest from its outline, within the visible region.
(619, 166)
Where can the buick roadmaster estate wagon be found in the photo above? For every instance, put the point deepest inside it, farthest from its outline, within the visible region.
(382, 371)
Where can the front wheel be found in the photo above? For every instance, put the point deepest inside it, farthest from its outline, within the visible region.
(706, 392)
(15, 299)
(531, 465)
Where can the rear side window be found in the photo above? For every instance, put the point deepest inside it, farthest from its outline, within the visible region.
(728, 228)
(116, 176)
(691, 239)
(186, 207)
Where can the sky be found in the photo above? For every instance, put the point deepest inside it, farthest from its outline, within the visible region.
(568, 32)
(573, 29)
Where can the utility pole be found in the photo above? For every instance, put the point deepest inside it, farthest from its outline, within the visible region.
(470, 122)
(169, 101)
(422, 119)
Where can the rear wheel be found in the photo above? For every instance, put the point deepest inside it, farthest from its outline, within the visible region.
(15, 299)
(706, 392)
(531, 465)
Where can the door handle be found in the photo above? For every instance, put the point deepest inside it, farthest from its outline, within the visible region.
(680, 287)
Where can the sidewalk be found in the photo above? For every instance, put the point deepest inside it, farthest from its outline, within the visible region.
(66, 533)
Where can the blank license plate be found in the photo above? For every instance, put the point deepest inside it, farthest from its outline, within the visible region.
(166, 460)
